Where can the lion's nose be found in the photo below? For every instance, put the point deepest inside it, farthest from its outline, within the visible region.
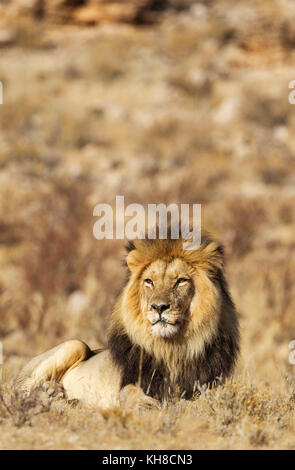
(160, 307)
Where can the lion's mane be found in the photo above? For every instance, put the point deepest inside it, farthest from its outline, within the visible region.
(206, 350)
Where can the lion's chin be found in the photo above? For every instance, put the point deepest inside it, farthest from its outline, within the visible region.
(164, 330)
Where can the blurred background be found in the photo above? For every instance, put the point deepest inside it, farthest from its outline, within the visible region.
(159, 101)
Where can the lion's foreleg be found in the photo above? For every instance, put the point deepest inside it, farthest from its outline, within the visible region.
(53, 364)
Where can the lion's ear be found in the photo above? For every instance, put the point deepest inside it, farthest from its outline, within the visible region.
(209, 257)
(133, 260)
(215, 255)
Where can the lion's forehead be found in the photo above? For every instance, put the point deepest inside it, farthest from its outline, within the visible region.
(162, 270)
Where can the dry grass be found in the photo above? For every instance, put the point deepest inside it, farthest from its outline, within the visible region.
(237, 415)
(192, 110)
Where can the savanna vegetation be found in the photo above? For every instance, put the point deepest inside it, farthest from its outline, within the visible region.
(188, 106)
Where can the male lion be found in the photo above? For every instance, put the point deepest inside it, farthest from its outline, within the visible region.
(174, 328)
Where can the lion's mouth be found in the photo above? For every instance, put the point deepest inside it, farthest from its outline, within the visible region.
(165, 328)
(163, 321)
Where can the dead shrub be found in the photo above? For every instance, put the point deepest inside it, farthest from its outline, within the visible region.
(243, 218)
(21, 407)
(236, 400)
(54, 261)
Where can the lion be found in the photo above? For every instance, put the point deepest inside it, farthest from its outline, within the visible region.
(173, 330)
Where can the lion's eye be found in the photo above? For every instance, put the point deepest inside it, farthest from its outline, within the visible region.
(149, 281)
(181, 280)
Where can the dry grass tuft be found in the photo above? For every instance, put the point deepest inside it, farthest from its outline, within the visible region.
(193, 110)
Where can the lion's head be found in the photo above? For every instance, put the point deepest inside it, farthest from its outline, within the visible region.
(175, 313)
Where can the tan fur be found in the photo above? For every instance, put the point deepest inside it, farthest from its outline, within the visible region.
(200, 311)
(93, 380)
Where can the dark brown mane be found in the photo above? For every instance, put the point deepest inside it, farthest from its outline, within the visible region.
(207, 365)
(215, 364)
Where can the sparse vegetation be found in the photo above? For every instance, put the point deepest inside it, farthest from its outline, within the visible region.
(194, 109)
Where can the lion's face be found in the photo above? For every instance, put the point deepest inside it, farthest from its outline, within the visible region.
(166, 292)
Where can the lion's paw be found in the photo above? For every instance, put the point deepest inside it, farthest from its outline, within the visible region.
(54, 390)
(132, 397)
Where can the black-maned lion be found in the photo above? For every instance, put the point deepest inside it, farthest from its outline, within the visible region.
(173, 328)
